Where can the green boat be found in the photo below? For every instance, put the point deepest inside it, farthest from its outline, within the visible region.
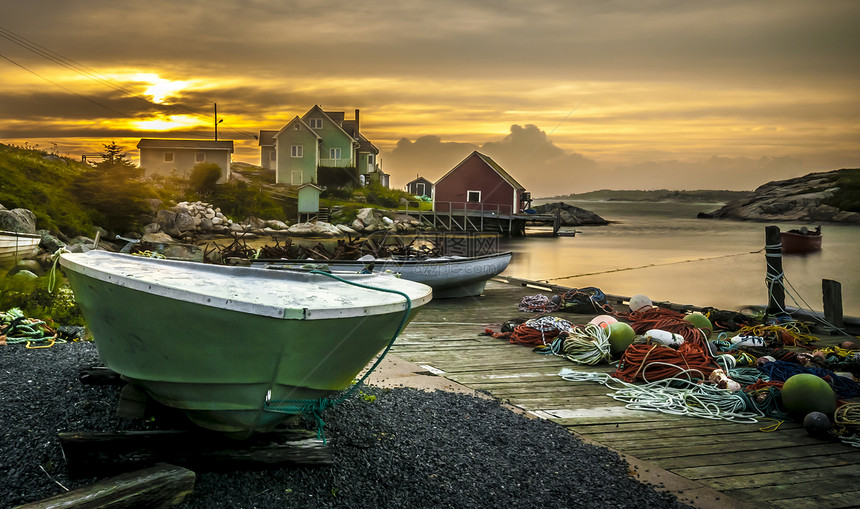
(221, 342)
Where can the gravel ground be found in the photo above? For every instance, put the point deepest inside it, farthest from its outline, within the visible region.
(405, 448)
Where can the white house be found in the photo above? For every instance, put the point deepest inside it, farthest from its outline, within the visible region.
(167, 156)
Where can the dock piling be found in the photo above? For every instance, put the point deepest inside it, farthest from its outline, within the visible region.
(774, 276)
(832, 293)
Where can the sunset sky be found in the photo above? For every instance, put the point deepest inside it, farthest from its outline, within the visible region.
(567, 95)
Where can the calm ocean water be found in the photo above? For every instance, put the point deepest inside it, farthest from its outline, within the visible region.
(663, 251)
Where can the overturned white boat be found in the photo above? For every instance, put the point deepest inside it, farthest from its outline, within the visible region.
(449, 276)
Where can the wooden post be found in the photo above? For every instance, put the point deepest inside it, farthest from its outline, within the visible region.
(832, 293)
(89, 453)
(162, 485)
(556, 224)
(773, 258)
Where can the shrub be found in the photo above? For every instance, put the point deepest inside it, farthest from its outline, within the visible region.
(32, 297)
(380, 196)
(239, 200)
(848, 196)
(116, 196)
(343, 194)
(204, 177)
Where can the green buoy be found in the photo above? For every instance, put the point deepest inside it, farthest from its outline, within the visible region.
(804, 393)
(620, 337)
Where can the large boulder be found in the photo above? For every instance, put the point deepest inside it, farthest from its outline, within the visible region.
(570, 215)
(157, 238)
(18, 220)
(315, 229)
(185, 222)
(50, 243)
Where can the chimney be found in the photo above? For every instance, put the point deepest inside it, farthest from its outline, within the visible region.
(356, 122)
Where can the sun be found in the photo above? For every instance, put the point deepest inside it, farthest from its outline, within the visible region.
(160, 88)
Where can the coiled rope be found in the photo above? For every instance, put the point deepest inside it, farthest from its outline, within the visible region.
(15, 328)
(588, 344)
(847, 422)
(538, 303)
(675, 396)
(315, 408)
(539, 331)
(775, 336)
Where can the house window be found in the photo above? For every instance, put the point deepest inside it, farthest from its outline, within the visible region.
(297, 126)
(273, 155)
(316, 123)
(168, 157)
(334, 153)
(297, 151)
(370, 159)
(200, 157)
(473, 196)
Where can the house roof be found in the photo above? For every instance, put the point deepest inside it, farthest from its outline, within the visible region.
(365, 145)
(309, 184)
(160, 143)
(339, 125)
(336, 116)
(302, 122)
(492, 164)
(267, 137)
(418, 179)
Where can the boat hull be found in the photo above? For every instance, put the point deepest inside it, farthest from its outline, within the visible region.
(798, 243)
(449, 277)
(16, 246)
(220, 366)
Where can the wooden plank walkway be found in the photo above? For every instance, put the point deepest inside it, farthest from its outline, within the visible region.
(782, 468)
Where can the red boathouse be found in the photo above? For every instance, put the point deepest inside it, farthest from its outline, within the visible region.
(478, 183)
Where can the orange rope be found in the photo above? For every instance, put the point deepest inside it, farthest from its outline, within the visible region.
(650, 362)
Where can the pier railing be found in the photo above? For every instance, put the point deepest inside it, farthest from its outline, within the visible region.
(466, 216)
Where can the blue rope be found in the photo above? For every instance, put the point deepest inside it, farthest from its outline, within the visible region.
(780, 371)
(315, 408)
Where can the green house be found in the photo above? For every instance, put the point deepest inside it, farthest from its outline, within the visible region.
(319, 138)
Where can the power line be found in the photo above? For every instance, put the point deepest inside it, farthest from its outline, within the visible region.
(64, 88)
(96, 76)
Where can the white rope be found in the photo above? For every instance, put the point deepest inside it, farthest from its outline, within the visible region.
(690, 399)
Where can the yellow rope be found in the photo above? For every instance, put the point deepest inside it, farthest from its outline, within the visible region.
(773, 427)
(795, 330)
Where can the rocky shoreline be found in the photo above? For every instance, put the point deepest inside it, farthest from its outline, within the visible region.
(801, 199)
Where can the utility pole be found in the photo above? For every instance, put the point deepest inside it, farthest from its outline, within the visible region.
(216, 121)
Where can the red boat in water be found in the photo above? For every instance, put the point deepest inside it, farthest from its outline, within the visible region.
(803, 240)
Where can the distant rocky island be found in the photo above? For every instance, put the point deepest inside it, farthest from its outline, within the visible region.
(823, 197)
(657, 195)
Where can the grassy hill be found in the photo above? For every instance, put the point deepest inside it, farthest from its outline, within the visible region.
(41, 182)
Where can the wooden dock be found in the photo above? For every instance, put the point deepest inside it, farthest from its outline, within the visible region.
(743, 463)
(465, 217)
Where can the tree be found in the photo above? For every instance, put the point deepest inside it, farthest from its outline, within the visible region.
(114, 191)
(116, 161)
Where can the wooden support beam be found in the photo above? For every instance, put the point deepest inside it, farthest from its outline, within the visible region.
(96, 452)
(832, 293)
(158, 486)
